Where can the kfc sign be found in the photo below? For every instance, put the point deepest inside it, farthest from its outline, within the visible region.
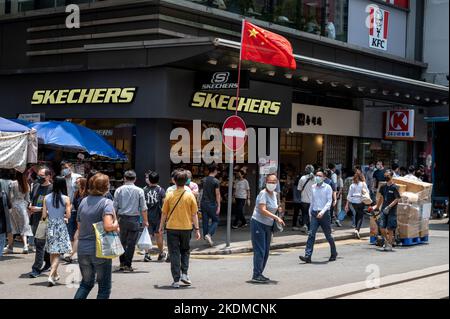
(378, 29)
(399, 3)
(400, 124)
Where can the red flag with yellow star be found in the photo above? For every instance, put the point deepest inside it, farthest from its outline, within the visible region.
(266, 47)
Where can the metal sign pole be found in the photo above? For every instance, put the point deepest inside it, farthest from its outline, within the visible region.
(230, 199)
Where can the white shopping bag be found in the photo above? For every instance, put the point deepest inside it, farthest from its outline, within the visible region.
(145, 241)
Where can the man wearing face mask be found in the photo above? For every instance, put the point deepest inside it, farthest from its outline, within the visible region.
(319, 212)
(39, 190)
(71, 178)
(388, 202)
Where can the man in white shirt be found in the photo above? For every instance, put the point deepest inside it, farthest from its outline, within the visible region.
(305, 188)
(319, 212)
(71, 178)
(412, 174)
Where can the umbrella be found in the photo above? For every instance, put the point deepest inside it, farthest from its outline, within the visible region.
(12, 126)
(75, 138)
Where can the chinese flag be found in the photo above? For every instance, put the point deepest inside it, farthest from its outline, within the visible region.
(266, 47)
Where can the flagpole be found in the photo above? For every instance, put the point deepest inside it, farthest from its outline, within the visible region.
(238, 91)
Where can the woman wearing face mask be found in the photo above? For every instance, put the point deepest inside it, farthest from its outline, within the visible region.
(262, 222)
(354, 199)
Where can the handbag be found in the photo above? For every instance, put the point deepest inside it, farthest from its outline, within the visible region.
(41, 231)
(366, 195)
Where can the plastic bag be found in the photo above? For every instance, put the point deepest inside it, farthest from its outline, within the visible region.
(145, 241)
(108, 244)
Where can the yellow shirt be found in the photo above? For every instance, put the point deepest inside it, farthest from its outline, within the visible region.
(181, 217)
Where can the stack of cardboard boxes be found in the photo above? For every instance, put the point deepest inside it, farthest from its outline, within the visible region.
(414, 209)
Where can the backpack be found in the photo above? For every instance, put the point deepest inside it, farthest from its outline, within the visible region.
(153, 198)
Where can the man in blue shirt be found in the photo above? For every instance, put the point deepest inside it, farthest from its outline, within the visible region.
(319, 211)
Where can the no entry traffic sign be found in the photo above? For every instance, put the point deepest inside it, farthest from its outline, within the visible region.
(234, 133)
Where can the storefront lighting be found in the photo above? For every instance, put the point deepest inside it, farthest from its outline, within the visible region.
(348, 86)
(418, 98)
(397, 94)
(334, 84)
(212, 61)
(288, 75)
(445, 102)
(385, 92)
(253, 70)
(233, 65)
(427, 99)
(361, 88)
(304, 78)
(373, 91)
(407, 95)
(436, 101)
(320, 82)
(271, 73)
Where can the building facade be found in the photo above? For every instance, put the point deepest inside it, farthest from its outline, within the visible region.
(130, 71)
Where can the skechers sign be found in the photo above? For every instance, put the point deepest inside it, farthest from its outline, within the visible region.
(84, 96)
(210, 81)
(226, 102)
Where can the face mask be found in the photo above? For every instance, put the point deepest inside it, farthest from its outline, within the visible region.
(66, 172)
(318, 180)
(271, 187)
(40, 179)
(188, 182)
(387, 178)
(147, 181)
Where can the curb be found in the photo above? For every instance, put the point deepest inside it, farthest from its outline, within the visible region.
(275, 246)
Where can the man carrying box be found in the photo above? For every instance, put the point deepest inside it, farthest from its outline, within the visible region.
(388, 202)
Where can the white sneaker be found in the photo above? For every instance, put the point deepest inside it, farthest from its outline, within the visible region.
(209, 240)
(51, 281)
(296, 228)
(25, 250)
(357, 234)
(304, 229)
(8, 250)
(185, 279)
(176, 285)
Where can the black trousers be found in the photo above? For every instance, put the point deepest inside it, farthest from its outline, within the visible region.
(129, 232)
(40, 256)
(359, 217)
(304, 207)
(239, 212)
(178, 242)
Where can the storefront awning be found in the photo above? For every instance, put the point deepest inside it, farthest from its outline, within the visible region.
(377, 84)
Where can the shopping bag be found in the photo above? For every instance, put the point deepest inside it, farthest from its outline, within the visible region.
(108, 245)
(145, 241)
(41, 231)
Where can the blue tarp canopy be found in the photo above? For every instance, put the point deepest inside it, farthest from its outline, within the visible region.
(12, 126)
(75, 138)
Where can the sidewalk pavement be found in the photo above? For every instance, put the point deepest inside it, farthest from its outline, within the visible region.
(241, 239)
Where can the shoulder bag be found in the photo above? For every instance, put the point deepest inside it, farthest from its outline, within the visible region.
(173, 209)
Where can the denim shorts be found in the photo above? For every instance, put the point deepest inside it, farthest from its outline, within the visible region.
(388, 221)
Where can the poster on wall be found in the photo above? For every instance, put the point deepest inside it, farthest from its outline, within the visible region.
(379, 28)
(400, 125)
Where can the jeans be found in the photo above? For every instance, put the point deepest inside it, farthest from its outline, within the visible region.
(325, 223)
(72, 225)
(179, 250)
(40, 256)
(129, 232)
(209, 212)
(90, 266)
(296, 214)
(261, 238)
(2, 243)
(304, 207)
(239, 213)
(359, 214)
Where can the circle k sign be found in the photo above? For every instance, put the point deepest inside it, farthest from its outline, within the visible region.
(234, 133)
(400, 124)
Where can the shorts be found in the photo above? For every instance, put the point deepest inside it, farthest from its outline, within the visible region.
(388, 221)
(153, 227)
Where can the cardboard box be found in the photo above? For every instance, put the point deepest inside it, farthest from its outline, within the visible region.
(408, 214)
(422, 189)
(424, 228)
(409, 198)
(408, 230)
